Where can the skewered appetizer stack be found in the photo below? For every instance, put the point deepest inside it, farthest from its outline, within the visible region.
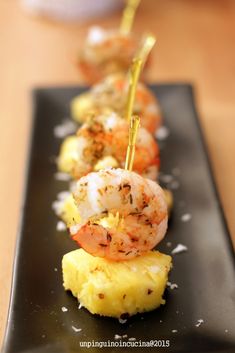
(116, 214)
(123, 216)
(111, 93)
(109, 51)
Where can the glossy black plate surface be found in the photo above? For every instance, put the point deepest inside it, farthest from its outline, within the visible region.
(204, 274)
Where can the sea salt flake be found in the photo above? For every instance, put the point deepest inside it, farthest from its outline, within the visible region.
(166, 178)
(60, 176)
(117, 337)
(80, 306)
(62, 195)
(186, 217)
(124, 336)
(162, 133)
(61, 226)
(132, 339)
(64, 309)
(122, 321)
(174, 185)
(74, 229)
(56, 206)
(174, 331)
(172, 285)
(179, 248)
(55, 269)
(168, 244)
(76, 329)
(199, 322)
(66, 128)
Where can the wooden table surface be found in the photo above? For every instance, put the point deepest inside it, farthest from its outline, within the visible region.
(195, 44)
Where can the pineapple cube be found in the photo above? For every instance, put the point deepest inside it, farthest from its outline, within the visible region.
(116, 289)
(69, 212)
(68, 154)
(80, 107)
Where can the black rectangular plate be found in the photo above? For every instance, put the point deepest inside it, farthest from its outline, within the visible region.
(205, 273)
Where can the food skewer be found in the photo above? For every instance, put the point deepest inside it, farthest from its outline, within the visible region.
(111, 92)
(128, 16)
(117, 232)
(109, 51)
(133, 81)
(102, 140)
(133, 130)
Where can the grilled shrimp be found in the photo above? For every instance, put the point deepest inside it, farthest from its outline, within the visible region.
(107, 135)
(112, 93)
(122, 214)
(105, 52)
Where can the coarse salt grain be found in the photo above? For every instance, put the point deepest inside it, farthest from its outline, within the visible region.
(174, 331)
(80, 306)
(174, 185)
(74, 229)
(199, 322)
(117, 337)
(179, 248)
(64, 309)
(122, 321)
(186, 217)
(61, 226)
(56, 206)
(67, 127)
(132, 339)
(60, 176)
(166, 178)
(62, 195)
(55, 269)
(162, 133)
(76, 329)
(168, 244)
(172, 285)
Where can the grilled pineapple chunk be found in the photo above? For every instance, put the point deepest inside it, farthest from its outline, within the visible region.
(68, 212)
(116, 289)
(80, 106)
(68, 154)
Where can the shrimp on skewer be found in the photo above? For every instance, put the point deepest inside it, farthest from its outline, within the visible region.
(106, 136)
(105, 52)
(136, 209)
(112, 93)
(109, 51)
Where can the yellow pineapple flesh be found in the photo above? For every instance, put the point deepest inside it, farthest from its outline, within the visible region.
(113, 288)
(69, 212)
(68, 154)
(80, 107)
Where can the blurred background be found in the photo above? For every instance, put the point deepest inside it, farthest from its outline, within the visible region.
(39, 42)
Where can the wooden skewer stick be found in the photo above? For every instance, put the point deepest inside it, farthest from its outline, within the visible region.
(135, 69)
(116, 220)
(146, 47)
(128, 16)
(130, 153)
(133, 81)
